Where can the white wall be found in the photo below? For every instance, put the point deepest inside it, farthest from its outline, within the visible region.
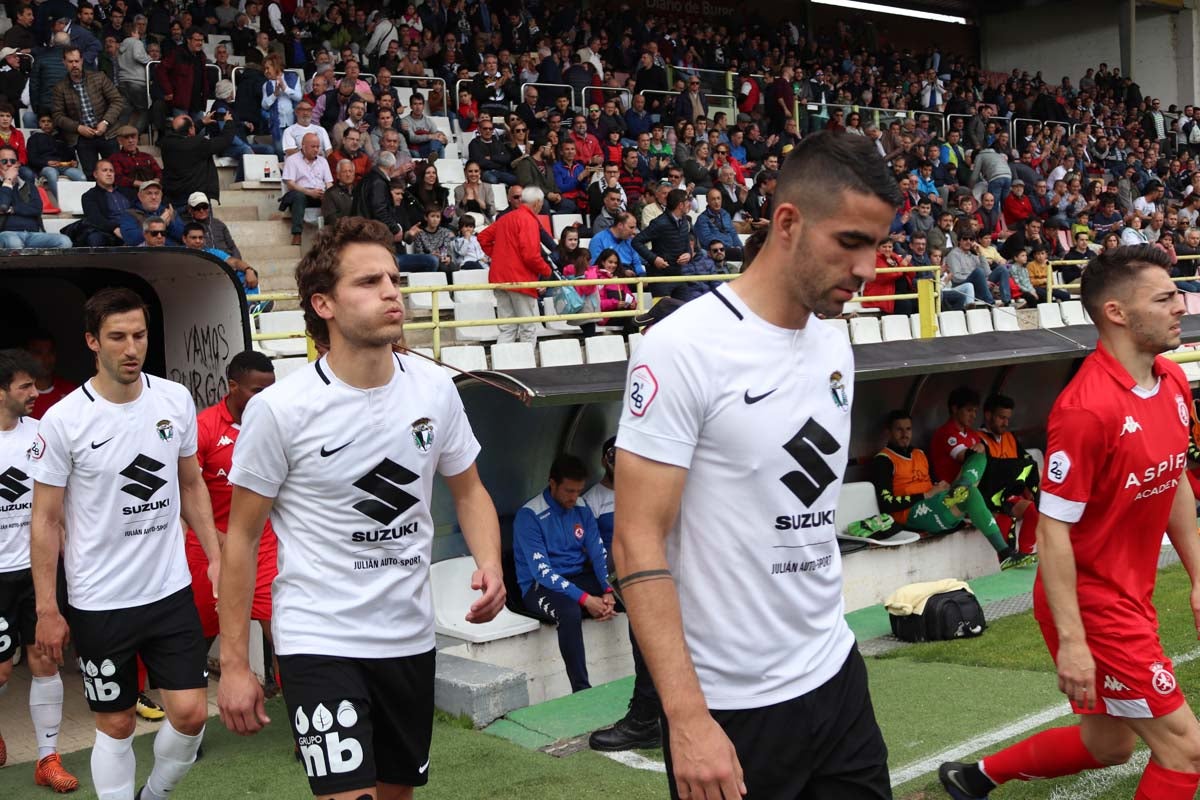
(1156, 55)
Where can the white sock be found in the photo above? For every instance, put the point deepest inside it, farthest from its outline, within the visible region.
(174, 754)
(45, 708)
(113, 767)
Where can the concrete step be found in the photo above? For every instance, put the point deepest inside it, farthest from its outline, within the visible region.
(230, 213)
(261, 233)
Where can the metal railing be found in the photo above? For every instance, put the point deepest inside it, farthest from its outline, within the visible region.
(1075, 287)
(609, 93)
(882, 118)
(556, 86)
(423, 83)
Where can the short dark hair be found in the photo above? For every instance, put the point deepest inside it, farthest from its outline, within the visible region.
(192, 226)
(995, 402)
(894, 416)
(962, 396)
(317, 272)
(248, 361)
(825, 164)
(677, 196)
(1112, 269)
(416, 96)
(14, 361)
(106, 302)
(567, 467)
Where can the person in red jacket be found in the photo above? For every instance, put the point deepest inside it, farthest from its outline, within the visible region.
(886, 283)
(185, 83)
(514, 244)
(1017, 206)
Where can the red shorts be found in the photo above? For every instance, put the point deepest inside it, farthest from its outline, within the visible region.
(1134, 678)
(206, 604)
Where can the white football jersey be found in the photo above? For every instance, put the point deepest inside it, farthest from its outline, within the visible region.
(16, 495)
(351, 471)
(760, 418)
(120, 466)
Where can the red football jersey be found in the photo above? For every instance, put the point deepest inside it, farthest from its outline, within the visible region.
(1115, 455)
(215, 435)
(59, 389)
(949, 441)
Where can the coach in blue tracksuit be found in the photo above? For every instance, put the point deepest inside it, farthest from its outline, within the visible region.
(561, 562)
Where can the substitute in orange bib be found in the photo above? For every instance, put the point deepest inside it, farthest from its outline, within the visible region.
(217, 428)
(1117, 441)
(1010, 481)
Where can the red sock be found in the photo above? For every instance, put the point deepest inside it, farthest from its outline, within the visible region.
(1027, 533)
(1160, 783)
(1049, 754)
(141, 675)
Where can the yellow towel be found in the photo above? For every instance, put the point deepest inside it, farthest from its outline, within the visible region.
(911, 599)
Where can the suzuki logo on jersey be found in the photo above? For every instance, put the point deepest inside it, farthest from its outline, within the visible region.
(799, 522)
(144, 483)
(1113, 685)
(1131, 426)
(383, 483)
(13, 484)
(323, 749)
(95, 686)
(814, 476)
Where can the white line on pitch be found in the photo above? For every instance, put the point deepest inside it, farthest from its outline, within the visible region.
(1095, 781)
(636, 761)
(985, 740)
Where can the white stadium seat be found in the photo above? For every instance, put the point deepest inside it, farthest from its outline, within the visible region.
(450, 170)
(453, 597)
(895, 328)
(424, 300)
(1005, 319)
(634, 340)
(952, 323)
(70, 196)
(1072, 312)
(283, 322)
(602, 349)
(979, 320)
(560, 353)
(558, 326)
(513, 355)
(857, 501)
(286, 366)
(841, 324)
(466, 357)
(475, 333)
(261, 168)
(466, 277)
(865, 330)
(559, 222)
(1049, 315)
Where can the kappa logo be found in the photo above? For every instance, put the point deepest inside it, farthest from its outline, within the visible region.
(322, 738)
(95, 686)
(1163, 681)
(383, 483)
(224, 441)
(1114, 685)
(1131, 426)
(144, 483)
(13, 484)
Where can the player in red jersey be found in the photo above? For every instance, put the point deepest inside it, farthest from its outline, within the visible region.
(217, 429)
(51, 387)
(1117, 441)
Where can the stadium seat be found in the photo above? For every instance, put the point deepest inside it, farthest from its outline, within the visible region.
(1005, 319)
(1192, 301)
(261, 168)
(558, 326)
(865, 330)
(452, 599)
(513, 355)
(895, 328)
(559, 222)
(283, 322)
(286, 366)
(467, 357)
(602, 349)
(450, 170)
(1049, 315)
(1191, 369)
(852, 307)
(856, 502)
(1039, 458)
(70, 196)
(560, 353)
(952, 323)
(979, 320)
(634, 340)
(424, 351)
(465, 277)
(475, 333)
(841, 324)
(56, 224)
(423, 301)
(499, 195)
(1072, 312)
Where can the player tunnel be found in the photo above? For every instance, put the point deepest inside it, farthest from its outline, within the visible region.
(198, 317)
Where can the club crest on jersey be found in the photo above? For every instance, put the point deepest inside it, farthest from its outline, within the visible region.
(1182, 408)
(837, 390)
(422, 434)
(1163, 681)
(578, 531)
(165, 430)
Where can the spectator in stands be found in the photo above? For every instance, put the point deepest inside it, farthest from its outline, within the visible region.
(21, 35)
(421, 131)
(338, 200)
(304, 124)
(618, 238)
(81, 38)
(1017, 207)
(513, 244)
(351, 149)
(561, 562)
(663, 245)
(1149, 203)
(715, 223)
(306, 178)
(759, 203)
(86, 107)
(331, 107)
(1039, 273)
(188, 158)
(567, 251)
(103, 207)
(905, 489)
(702, 263)
(489, 152)
(50, 158)
(966, 265)
(993, 168)
(474, 195)
(280, 93)
(150, 203)
(132, 166)
(1018, 269)
(428, 191)
(153, 232)
(1010, 481)
(434, 240)
(21, 209)
(465, 251)
(890, 283)
(216, 232)
(356, 120)
(587, 146)
(384, 198)
(537, 169)
(194, 238)
(609, 206)
(183, 77)
(47, 72)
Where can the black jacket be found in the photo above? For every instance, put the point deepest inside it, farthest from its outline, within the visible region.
(188, 166)
(669, 237)
(373, 200)
(491, 155)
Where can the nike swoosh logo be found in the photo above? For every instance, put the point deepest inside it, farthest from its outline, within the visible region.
(327, 453)
(51, 735)
(106, 441)
(751, 399)
(423, 767)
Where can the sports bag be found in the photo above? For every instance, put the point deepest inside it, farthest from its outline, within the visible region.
(955, 614)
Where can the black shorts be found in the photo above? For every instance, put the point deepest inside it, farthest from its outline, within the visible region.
(823, 745)
(345, 710)
(18, 612)
(165, 633)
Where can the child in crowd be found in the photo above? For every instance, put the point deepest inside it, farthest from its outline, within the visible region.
(435, 240)
(1023, 288)
(51, 157)
(1039, 272)
(465, 252)
(468, 112)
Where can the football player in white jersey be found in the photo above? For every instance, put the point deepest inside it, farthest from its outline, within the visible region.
(114, 470)
(18, 613)
(342, 457)
(731, 447)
